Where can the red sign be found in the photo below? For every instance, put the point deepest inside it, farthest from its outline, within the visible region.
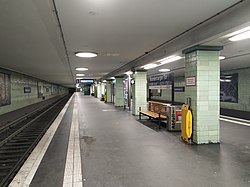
(178, 115)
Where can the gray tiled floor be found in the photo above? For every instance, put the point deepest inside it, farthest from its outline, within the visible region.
(119, 151)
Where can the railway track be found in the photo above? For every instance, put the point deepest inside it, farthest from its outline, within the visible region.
(19, 138)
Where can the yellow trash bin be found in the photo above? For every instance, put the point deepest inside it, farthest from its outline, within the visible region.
(186, 125)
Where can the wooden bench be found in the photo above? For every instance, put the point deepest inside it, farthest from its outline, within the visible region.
(155, 110)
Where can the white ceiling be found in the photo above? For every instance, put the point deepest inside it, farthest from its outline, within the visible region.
(237, 56)
(31, 41)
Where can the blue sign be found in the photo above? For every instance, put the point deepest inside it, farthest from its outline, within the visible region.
(160, 79)
(179, 89)
(85, 81)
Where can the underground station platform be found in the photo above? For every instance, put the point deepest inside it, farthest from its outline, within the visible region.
(92, 143)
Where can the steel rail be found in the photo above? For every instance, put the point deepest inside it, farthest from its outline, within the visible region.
(17, 147)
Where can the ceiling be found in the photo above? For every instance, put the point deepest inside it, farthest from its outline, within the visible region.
(34, 40)
(237, 56)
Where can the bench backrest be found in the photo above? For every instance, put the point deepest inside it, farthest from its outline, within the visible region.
(157, 107)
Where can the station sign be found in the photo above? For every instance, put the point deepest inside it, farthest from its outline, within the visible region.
(84, 81)
(160, 81)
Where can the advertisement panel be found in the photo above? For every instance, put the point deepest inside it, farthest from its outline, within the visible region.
(5, 97)
(229, 88)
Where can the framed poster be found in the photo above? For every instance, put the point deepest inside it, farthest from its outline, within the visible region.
(5, 95)
(156, 92)
(229, 88)
(27, 89)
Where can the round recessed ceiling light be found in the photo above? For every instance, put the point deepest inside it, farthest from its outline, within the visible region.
(86, 54)
(79, 75)
(81, 69)
(164, 70)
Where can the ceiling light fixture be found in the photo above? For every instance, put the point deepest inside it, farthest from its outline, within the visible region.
(79, 78)
(164, 70)
(149, 66)
(169, 59)
(238, 32)
(81, 69)
(241, 36)
(129, 73)
(86, 54)
(79, 74)
(221, 57)
(225, 80)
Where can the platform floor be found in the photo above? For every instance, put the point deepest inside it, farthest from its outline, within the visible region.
(119, 151)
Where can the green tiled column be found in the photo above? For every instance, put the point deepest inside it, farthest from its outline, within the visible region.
(103, 88)
(119, 99)
(139, 92)
(204, 65)
(109, 84)
(99, 90)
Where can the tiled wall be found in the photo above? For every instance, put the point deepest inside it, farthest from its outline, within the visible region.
(167, 93)
(243, 91)
(109, 84)
(205, 66)
(20, 99)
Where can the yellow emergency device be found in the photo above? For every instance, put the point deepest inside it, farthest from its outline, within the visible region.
(186, 125)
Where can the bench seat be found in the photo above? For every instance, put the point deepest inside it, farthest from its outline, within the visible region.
(154, 115)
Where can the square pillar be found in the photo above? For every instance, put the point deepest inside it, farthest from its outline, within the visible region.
(99, 90)
(139, 92)
(108, 91)
(202, 75)
(95, 90)
(103, 88)
(119, 99)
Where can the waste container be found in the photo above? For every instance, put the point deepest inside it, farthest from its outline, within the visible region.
(102, 97)
(186, 125)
